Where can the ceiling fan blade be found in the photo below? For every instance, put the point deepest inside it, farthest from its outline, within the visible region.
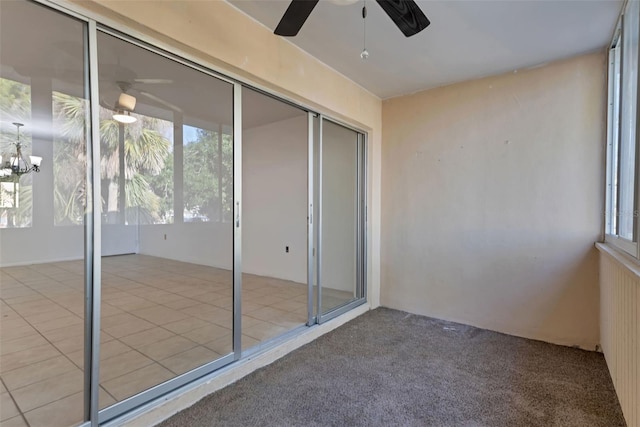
(295, 16)
(406, 14)
(105, 105)
(154, 81)
(160, 101)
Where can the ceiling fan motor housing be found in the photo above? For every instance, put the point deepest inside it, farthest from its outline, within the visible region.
(126, 102)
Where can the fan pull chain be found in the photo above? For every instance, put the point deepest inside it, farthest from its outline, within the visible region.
(365, 53)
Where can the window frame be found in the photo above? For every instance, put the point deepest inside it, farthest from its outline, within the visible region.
(615, 98)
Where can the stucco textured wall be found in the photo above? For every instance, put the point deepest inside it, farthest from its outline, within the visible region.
(493, 199)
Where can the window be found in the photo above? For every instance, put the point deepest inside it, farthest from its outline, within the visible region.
(141, 179)
(70, 118)
(208, 174)
(16, 208)
(622, 184)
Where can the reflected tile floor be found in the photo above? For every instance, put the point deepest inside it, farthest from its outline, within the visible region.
(160, 318)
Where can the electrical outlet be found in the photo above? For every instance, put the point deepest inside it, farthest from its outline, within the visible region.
(286, 249)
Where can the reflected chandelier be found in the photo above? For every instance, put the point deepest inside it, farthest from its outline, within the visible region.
(18, 164)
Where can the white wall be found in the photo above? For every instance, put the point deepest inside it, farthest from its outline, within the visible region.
(38, 244)
(274, 162)
(119, 239)
(43, 241)
(493, 199)
(273, 211)
(206, 243)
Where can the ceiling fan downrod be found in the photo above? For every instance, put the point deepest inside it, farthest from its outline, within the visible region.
(365, 53)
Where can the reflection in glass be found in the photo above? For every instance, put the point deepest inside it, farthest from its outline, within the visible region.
(167, 293)
(339, 216)
(139, 182)
(69, 158)
(208, 174)
(274, 235)
(16, 204)
(42, 298)
(628, 116)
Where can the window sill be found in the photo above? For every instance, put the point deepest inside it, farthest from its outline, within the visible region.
(625, 260)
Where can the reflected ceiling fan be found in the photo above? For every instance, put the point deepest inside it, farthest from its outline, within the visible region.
(126, 102)
(404, 13)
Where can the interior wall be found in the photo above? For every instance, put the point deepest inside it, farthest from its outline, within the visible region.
(189, 242)
(38, 244)
(42, 241)
(274, 193)
(120, 239)
(493, 199)
(219, 34)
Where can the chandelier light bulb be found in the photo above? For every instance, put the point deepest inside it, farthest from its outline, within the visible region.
(18, 164)
(364, 54)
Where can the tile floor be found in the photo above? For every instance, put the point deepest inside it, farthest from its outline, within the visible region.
(160, 318)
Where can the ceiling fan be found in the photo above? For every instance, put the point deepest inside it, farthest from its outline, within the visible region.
(126, 102)
(404, 13)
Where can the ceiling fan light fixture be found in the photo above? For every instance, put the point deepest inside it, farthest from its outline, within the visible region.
(124, 116)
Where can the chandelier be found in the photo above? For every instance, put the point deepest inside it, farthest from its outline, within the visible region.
(18, 164)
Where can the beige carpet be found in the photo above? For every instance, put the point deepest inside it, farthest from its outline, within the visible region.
(390, 368)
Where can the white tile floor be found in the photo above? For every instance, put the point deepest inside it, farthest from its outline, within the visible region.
(160, 318)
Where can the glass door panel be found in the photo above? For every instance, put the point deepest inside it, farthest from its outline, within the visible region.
(340, 229)
(274, 180)
(167, 137)
(43, 218)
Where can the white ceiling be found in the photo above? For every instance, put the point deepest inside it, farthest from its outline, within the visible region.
(466, 39)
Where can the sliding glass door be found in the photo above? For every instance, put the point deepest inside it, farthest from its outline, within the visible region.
(274, 169)
(167, 203)
(45, 231)
(161, 219)
(340, 227)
